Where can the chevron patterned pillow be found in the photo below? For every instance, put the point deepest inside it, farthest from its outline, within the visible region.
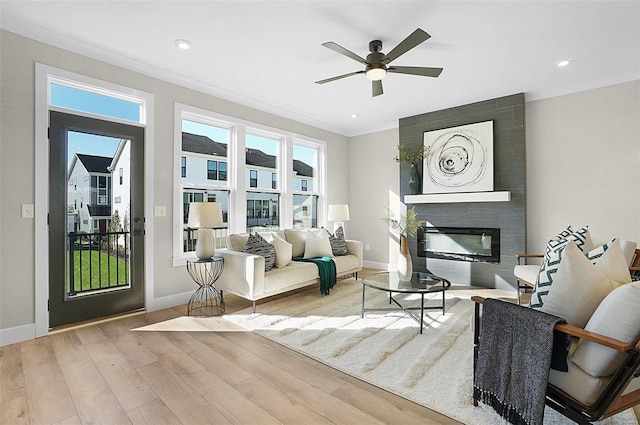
(338, 244)
(552, 257)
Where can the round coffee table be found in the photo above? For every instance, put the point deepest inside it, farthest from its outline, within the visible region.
(420, 283)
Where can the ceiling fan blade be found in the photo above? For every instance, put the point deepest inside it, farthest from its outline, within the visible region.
(338, 48)
(415, 38)
(328, 80)
(377, 88)
(415, 70)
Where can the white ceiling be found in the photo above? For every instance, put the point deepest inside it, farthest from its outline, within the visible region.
(267, 54)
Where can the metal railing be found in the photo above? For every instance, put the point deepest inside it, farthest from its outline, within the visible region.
(189, 238)
(98, 261)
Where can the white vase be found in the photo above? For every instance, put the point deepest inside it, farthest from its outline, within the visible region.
(405, 266)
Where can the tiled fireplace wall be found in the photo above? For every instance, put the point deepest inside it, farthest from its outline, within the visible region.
(507, 114)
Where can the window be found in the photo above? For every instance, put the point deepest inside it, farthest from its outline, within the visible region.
(81, 99)
(204, 145)
(241, 165)
(212, 170)
(103, 190)
(120, 172)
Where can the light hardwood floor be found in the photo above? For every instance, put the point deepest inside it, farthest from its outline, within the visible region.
(103, 373)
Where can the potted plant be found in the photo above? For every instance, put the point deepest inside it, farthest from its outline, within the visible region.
(407, 226)
(412, 157)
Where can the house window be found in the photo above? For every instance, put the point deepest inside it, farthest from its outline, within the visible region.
(274, 181)
(183, 166)
(121, 175)
(222, 171)
(212, 170)
(303, 185)
(253, 178)
(103, 190)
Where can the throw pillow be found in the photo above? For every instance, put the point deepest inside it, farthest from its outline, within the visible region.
(236, 242)
(283, 251)
(317, 245)
(617, 316)
(297, 238)
(257, 245)
(579, 287)
(552, 257)
(338, 244)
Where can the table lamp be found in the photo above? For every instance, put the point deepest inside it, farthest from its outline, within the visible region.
(203, 216)
(338, 213)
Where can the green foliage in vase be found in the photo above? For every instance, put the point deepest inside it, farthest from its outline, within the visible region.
(411, 156)
(407, 225)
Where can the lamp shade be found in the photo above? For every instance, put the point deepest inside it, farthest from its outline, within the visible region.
(205, 214)
(339, 212)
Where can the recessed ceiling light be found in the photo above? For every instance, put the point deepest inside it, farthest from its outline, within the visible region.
(564, 63)
(354, 115)
(183, 44)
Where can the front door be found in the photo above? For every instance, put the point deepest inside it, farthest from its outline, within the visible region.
(96, 218)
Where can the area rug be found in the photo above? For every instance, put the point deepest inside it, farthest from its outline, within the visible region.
(385, 348)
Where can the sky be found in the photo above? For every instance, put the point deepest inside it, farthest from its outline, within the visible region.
(80, 100)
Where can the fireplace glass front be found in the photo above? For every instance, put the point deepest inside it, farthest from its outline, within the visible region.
(460, 243)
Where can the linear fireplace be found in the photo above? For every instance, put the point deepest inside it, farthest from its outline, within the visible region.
(460, 243)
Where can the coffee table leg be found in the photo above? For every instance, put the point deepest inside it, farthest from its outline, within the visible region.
(363, 286)
(421, 312)
(443, 299)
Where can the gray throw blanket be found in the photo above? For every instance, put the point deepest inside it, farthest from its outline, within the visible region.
(514, 358)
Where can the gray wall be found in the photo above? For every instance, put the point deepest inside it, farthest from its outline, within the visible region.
(507, 114)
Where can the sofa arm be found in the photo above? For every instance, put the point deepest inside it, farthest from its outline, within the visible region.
(243, 274)
(355, 248)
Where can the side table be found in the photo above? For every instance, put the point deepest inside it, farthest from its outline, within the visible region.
(206, 300)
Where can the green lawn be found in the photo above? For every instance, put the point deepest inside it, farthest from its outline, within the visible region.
(99, 270)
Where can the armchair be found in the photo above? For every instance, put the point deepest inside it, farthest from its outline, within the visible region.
(604, 395)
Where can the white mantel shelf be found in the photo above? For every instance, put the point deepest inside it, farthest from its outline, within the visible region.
(449, 198)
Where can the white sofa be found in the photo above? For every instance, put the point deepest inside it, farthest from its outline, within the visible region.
(244, 274)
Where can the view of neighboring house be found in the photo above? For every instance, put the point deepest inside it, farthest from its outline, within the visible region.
(121, 183)
(89, 194)
(203, 171)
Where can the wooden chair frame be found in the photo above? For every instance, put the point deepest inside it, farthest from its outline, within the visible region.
(610, 400)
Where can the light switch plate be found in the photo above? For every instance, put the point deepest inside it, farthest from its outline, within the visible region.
(26, 211)
(160, 211)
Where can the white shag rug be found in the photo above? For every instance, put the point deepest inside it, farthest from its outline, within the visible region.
(385, 349)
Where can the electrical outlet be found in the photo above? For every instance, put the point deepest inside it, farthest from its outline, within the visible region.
(367, 247)
(160, 211)
(27, 211)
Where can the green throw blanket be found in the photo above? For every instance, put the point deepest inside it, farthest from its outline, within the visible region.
(327, 271)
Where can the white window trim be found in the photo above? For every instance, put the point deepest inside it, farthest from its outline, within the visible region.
(237, 186)
(45, 75)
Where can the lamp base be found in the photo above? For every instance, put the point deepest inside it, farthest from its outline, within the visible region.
(205, 244)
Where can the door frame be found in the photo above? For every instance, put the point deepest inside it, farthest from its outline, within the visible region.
(44, 74)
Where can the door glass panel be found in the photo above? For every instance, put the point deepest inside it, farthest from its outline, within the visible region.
(98, 214)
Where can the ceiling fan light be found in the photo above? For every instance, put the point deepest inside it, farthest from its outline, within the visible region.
(376, 74)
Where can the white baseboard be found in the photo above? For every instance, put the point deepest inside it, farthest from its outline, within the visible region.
(17, 334)
(168, 301)
(375, 265)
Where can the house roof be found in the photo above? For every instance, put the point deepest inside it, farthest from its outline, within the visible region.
(94, 163)
(202, 144)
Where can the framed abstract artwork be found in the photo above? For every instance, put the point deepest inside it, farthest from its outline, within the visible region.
(460, 159)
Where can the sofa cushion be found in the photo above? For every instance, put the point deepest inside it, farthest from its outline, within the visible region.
(283, 250)
(338, 244)
(345, 263)
(579, 285)
(582, 386)
(257, 245)
(618, 317)
(295, 274)
(552, 256)
(297, 238)
(317, 245)
(236, 242)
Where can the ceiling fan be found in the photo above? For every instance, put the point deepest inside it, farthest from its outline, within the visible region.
(377, 63)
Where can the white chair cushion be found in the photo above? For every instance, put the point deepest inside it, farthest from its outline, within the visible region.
(617, 316)
(579, 286)
(526, 273)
